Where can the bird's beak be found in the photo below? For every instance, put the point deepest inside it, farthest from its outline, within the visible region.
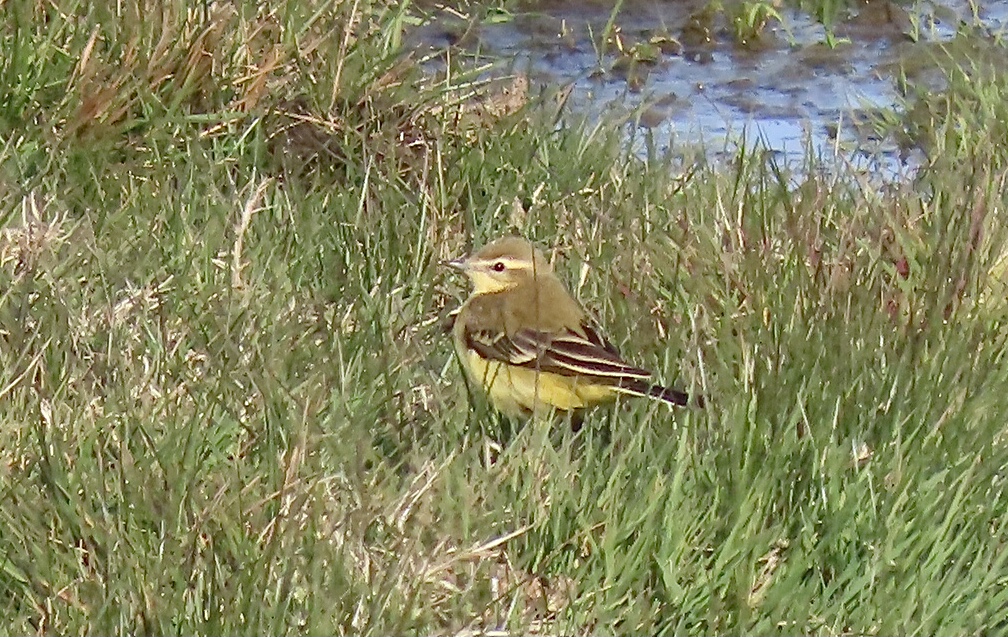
(460, 264)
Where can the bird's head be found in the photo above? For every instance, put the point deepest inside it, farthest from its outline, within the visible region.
(503, 264)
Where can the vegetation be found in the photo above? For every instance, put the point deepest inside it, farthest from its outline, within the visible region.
(228, 404)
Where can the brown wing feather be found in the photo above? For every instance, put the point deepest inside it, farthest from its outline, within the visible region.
(496, 346)
(566, 354)
(597, 338)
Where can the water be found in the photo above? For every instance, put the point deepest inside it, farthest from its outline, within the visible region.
(792, 90)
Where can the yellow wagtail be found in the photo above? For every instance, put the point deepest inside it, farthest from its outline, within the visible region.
(530, 345)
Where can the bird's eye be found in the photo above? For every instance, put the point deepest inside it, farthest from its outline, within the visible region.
(498, 267)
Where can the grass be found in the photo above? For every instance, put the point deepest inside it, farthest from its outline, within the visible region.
(227, 402)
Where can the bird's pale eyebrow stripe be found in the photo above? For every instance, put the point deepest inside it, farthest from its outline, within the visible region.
(510, 262)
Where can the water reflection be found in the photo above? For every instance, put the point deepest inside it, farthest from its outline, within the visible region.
(682, 72)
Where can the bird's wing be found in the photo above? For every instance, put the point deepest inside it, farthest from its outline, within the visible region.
(596, 337)
(567, 353)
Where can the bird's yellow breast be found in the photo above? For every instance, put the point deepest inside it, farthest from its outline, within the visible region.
(516, 391)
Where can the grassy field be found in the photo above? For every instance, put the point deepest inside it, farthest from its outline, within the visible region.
(228, 403)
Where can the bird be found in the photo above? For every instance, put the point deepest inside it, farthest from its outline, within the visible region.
(531, 346)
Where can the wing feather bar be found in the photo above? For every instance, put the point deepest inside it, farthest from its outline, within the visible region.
(568, 354)
(495, 346)
(574, 354)
(595, 366)
(595, 337)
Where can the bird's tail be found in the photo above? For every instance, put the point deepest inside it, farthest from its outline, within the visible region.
(639, 387)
